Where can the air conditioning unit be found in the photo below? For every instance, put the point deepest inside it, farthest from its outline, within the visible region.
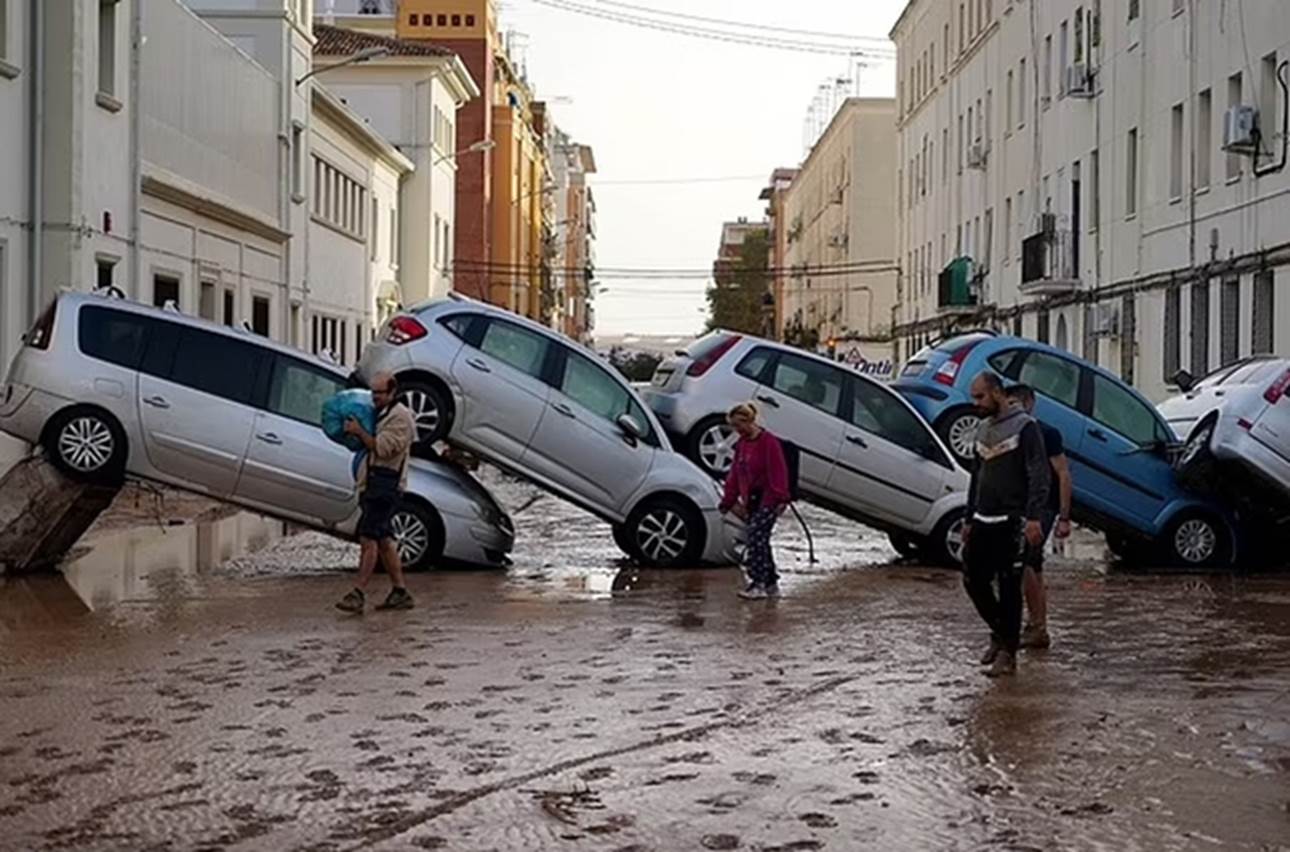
(977, 155)
(1079, 81)
(1241, 129)
(1106, 320)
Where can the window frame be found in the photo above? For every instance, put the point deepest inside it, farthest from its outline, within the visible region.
(559, 364)
(279, 362)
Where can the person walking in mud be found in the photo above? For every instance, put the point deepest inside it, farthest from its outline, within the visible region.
(1056, 515)
(757, 491)
(382, 478)
(1007, 497)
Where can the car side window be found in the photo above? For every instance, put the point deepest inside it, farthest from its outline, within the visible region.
(874, 410)
(217, 364)
(113, 336)
(518, 347)
(1055, 378)
(458, 324)
(753, 366)
(593, 388)
(1004, 363)
(1122, 412)
(818, 385)
(299, 390)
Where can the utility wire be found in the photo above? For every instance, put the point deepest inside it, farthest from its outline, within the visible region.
(642, 181)
(744, 25)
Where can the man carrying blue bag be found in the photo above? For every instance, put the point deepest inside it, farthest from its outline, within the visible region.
(382, 478)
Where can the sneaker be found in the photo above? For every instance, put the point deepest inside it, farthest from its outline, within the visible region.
(1036, 636)
(1004, 664)
(397, 599)
(991, 652)
(352, 602)
(754, 592)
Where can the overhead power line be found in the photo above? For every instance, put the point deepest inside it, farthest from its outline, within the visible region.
(746, 25)
(797, 271)
(660, 181)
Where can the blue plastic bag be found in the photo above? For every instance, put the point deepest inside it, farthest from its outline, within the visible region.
(356, 403)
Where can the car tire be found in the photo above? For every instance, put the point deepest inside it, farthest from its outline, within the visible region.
(418, 534)
(665, 532)
(1196, 462)
(87, 444)
(431, 408)
(957, 428)
(623, 539)
(1196, 540)
(905, 545)
(945, 545)
(711, 445)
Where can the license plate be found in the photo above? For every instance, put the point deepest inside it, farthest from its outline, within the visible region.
(914, 368)
(661, 377)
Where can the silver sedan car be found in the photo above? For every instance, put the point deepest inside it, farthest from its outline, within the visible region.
(545, 408)
(111, 388)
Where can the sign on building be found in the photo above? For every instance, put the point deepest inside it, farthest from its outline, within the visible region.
(873, 358)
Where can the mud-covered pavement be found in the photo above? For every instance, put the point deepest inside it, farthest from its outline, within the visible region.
(161, 700)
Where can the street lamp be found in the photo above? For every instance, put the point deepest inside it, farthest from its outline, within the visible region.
(479, 147)
(367, 54)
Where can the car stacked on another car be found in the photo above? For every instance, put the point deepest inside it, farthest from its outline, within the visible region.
(535, 403)
(865, 452)
(110, 387)
(1120, 448)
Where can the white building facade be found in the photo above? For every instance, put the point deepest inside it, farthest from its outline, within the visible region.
(1062, 175)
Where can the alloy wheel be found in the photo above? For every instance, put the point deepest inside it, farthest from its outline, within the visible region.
(954, 539)
(662, 535)
(1196, 541)
(962, 435)
(717, 447)
(425, 411)
(86, 444)
(410, 537)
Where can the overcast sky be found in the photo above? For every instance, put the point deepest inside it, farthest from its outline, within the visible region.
(658, 106)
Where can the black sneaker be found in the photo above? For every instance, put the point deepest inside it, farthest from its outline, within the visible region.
(352, 602)
(991, 652)
(397, 599)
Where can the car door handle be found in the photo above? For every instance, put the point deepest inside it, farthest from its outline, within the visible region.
(769, 400)
(156, 402)
(269, 438)
(858, 441)
(481, 366)
(1097, 434)
(563, 409)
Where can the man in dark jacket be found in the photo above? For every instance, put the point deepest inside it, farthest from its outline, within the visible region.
(1007, 498)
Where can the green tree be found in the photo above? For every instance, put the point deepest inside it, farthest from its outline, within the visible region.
(735, 302)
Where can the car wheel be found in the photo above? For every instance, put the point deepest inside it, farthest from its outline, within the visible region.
(712, 446)
(958, 430)
(665, 533)
(1197, 540)
(418, 535)
(623, 538)
(87, 444)
(431, 408)
(946, 542)
(904, 544)
(1196, 462)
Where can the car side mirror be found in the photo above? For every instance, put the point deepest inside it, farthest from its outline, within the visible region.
(1184, 380)
(630, 427)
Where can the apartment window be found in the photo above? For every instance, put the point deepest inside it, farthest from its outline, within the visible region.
(972, 126)
(1079, 34)
(1269, 108)
(4, 28)
(298, 162)
(339, 200)
(394, 236)
(107, 47)
(1090, 339)
(1173, 333)
(456, 20)
(1047, 93)
(1204, 138)
(1008, 108)
(260, 315)
(1131, 175)
(1229, 327)
(960, 156)
(230, 305)
(442, 20)
(1128, 339)
(987, 238)
(1021, 95)
(1041, 327)
(1007, 228)
(358, 326)
(1135, 9)
(962, 26)
(437, 236)
(1094, 190)
(988, 118)
(1063, 53)
(470, 20)
(165, 288)
(374, 238)
(1021, 221)
(1200, 328)
(105, 272)
(945, 155)
(206, 300)
(946, 43)
(1176, 153)
(1264, 308)
(1234, 99)
(413, 20)
(1018, 325)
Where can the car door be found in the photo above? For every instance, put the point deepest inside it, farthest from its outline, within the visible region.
(889, 465)
(500, 376)
(291, 467)
(1056, 382)
(800, 400)
(1125, 469)
(579, 443)
(195, 404)
(1272, 426)
(114, 341)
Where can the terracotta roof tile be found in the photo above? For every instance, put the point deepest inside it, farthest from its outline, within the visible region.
(336, 41)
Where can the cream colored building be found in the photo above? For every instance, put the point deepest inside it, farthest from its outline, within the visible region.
(1072, 153)
(841, 227)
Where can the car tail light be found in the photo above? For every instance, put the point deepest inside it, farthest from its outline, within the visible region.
(1278, 389)
(949, 371)
(404, 329)
(702, 365)
(43, 331)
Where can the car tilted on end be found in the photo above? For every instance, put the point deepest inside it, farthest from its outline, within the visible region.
(110, 387)
(545, 408)
(865, 452)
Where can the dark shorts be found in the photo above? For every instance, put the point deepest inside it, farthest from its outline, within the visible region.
(379, 502)
(1034, 556)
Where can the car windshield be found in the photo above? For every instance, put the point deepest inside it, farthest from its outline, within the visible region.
(1222, 374)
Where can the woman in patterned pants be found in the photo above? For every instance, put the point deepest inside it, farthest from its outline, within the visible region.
(757, 492)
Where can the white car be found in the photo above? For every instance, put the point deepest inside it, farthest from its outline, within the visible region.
(542, 406)
(1239, 417)
(865, 452)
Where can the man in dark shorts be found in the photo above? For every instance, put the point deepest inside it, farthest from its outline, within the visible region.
(1057, 514)
(382, 478)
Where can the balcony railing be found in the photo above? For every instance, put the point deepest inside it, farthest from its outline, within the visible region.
(1050, 263)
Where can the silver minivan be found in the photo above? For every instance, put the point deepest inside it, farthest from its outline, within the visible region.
(110, 387)
(543, 407)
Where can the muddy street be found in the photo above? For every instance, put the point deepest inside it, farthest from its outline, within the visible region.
(192, 688)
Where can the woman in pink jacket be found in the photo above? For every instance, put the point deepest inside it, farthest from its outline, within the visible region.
(757, 492)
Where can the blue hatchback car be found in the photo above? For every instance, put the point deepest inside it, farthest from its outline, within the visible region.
(1120, 448)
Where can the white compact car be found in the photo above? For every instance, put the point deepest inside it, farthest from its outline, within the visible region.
(1238, 416)
(110, 387)
(538, 404)
(865, 452)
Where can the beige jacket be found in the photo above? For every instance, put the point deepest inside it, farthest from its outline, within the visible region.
(395, 432)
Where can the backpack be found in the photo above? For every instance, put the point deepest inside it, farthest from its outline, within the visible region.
(793, 461)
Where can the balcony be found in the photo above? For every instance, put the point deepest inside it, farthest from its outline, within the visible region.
(956, 290)
(1050, 263)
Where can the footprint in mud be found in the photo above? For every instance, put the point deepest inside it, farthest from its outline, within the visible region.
(853, 798)
(722, 802)
(816, 820)
(795, 846)
(597, 773)
(720, 841)
(764, 779)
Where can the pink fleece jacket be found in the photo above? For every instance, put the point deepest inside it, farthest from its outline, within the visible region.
(759, 466)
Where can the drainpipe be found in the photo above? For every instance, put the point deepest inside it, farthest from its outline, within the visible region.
(136, 156)
(1194, 98)
(36, 141)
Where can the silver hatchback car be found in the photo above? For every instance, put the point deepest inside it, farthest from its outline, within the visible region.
(865, 452)
(545, 408)
(110, 387)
